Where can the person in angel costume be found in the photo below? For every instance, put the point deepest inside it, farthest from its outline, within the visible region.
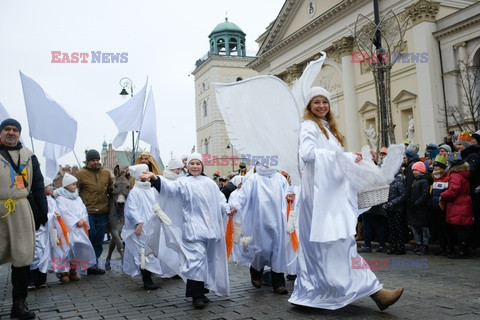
(138, 210)
(327, 276)
(263, 202)
(204, 254)
(80, 255)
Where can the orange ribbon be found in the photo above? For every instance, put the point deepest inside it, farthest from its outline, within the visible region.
(293, 235)
(85, 227)
(229, 236)
(64, 230)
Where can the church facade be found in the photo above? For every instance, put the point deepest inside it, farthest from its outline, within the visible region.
(439, 36)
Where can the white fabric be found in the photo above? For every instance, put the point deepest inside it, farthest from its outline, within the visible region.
(148, 130)
(68, 179)
(236, 180)
(137, 170)
(128, 116)
(203, 248)
(327, 217)
(50, 122)
(72, 211)
(138, 209)
(165, 241)
(261, 119)
(47, 181)
(262, 204)
(175, 163)
(161, 215)
(59, 248)
(41, 259)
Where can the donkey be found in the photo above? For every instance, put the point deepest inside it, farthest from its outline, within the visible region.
(118, 196)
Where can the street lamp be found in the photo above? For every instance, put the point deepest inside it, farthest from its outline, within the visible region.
(126, 83)
(231, 158)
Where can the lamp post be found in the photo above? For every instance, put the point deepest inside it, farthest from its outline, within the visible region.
(126, 83)
(231, 158)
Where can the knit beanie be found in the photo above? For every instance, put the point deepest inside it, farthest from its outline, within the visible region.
(445, 147)
(440, 161)
(10, 122)
(464, 143)
(195, 156)
(175, 163)
(92, 154)
(317, 91)
(411, 151)
(68, 179)
(47, 181)
(419, 166)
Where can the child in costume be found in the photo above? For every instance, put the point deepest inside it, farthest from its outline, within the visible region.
(80, 255)
(138, 210)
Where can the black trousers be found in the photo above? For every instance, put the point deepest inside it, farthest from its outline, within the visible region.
(20, 282)
(278, 279)
(195, 289)
(36, 278)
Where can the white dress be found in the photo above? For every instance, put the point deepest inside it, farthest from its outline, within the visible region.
(327, 218)
(203, 255)
(162, 240)
(262, 204)
(42, 259)
(72, 210)
(138, 208)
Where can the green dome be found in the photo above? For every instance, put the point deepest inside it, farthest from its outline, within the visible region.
(227, 27)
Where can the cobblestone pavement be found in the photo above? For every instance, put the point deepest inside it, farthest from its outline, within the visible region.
(435, 288)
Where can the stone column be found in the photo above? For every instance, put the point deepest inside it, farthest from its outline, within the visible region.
(343, 49)
(429, 76)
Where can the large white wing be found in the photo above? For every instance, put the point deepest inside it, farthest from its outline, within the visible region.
(261, 119)
(302, 85)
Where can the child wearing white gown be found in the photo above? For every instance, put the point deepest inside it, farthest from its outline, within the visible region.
(80, 255)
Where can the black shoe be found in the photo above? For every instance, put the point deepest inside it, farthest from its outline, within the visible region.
(291, 276)
(147, 280)
(281, 290)
(365, 250)
(205, 300)
(198, 303)
(20, 310)
(257, 283)
(95, 271)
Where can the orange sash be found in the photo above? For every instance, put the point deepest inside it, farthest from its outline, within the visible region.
(293, 235)
(64, 231)
(229, 236)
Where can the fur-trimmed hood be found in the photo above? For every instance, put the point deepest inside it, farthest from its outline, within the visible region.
(461, 167)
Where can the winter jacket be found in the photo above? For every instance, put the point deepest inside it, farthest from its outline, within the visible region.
(418, 209)
(472, 155)
(396, 195)
(409, 178)
(457, 196)
(439, 185)
(93, 188)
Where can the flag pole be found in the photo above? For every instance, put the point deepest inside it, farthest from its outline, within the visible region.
(79, 166)
(31, 141)
(141, 123)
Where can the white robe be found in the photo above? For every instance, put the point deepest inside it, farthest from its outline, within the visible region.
(138, 208)
(327, 218)
(81, 251)
(42, 259)
(262, 203)
(203, 254)
(162, 240)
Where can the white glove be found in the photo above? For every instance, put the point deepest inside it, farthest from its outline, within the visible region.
(237, 231)
(245, 241)
(54, 236)
(292, 222)
(161, 215)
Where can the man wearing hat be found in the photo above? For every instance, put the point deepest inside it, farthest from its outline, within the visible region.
(94, 184)
(19, 175)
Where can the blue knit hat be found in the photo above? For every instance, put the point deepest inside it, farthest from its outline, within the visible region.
(412, 151)
(10, 122)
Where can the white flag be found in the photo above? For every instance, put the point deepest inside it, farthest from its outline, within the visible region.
(128, 117)
(48, 121)
(52, 152)
(3, 113)
(148, 131)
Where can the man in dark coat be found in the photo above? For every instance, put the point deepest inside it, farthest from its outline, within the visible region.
(20, 176)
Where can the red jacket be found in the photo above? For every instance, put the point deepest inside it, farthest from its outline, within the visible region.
(457, 196)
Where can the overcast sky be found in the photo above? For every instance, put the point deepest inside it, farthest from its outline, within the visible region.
(163, 40)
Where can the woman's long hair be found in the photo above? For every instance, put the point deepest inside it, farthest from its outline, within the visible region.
(308, 115)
